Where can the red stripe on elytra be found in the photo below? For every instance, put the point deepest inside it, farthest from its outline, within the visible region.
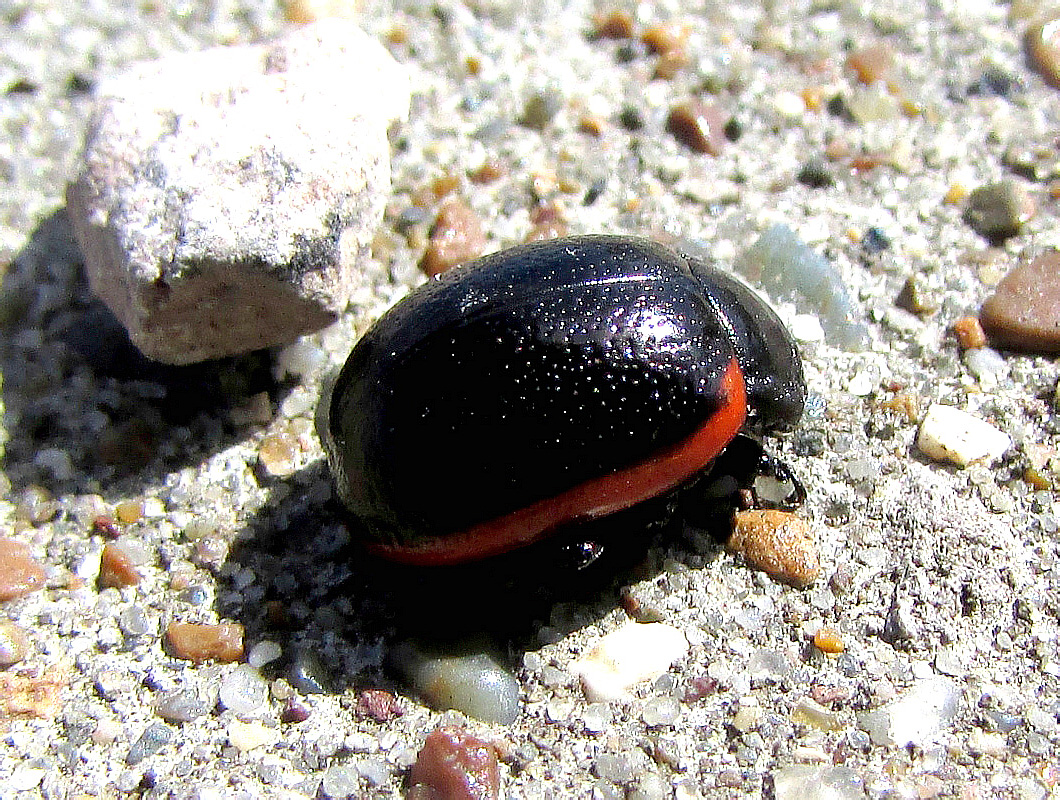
(594, 498)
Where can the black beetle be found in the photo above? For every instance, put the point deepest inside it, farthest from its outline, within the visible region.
(546, 385)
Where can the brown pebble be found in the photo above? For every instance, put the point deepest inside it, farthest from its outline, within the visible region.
(828, 640)
(905, 404)
(592, 124)
(665, 37)
(1024, 311)
(969, 333)
(617, 24)
(914, 298)
(104, 526)
(294, 712)
(698, 125)
(872, 63)
(456, 765)
(200, 642)
(14, 644)
(548, 222)
(670, 63)
(24, 696)
(116, 569)
(278, 454)
(1042, 43)
(700, 687)
(490, 171)
(129, 511)
(456, 237)
(20, 573)
(778, 543)
(378, 704)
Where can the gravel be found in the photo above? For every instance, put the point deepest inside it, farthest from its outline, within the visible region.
(932, 575)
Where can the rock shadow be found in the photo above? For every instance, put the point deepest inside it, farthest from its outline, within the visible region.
(84, 410)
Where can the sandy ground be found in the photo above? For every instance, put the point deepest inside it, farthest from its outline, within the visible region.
(939, 580)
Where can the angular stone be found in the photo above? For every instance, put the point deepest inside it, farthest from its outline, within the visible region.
(20, 573)
(1024, 311)
(227, 196)
(950, 434)
(634, 653)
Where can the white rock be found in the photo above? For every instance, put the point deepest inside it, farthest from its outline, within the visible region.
(810, 782)
(916, 716)
(949, 434)
(983, 742)
(226, 196)
(246, 736)
(634, 653)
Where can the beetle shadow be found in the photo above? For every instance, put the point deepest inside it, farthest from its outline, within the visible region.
(75, 386)
(320, 592)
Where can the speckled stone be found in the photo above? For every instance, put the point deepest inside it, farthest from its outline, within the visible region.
(1023, 313)
(20, 573)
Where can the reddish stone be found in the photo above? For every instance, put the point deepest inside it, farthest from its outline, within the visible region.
(379, 705)
(200, 642)
(454, 765)
(456, 237)
(1024, 311)
(116, 569)
(698, 126)
(20, 573)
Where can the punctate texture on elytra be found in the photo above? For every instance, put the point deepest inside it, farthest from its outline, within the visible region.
(548, 384)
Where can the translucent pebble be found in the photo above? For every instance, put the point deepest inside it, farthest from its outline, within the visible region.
(597, 717)
(182, 706)
(243, 691)
(917, 716)
(649, 787)
(374, 770)
(264, 652)
(986, 364)
(471, 682)
(153, 739)
(785, 266)
(661, 711)
(614, 767)
(340, 781)
(812, 782)
(134, 622)
(768, 665)
(298, 360)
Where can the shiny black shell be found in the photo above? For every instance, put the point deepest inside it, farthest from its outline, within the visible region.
(556, 369)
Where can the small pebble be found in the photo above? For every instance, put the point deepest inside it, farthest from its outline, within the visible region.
(200, 642)
(998, 211)
(969, 333)
(154, 738)
(949, 434)
(14, 644)
(456, 764)
(264, 652)
(810, 712)
(278, 454)
(306, 11)
(614, 767)
(20, 574)
(697, 125)
(917, 716)
(981, 742)
(247, 736)
(660, 711)
(915, 298)
(1024, 311)
(986, 364)
(815, 174)
(129, 511)
(471, 682)
(541, 107)
(634, 653)
(243, 691)
(872, 63)
(116, 568)
(294, 712)
(182, 706)
(597, 717)
(1042, 43)
(828, 640)
(616, 24)
(378, 704)
(813, 782)
(456, 237)
(778, 543)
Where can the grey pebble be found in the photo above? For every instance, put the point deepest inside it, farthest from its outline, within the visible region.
(614, 767)
(341, 781)
(243, 691)
(182, 706)
(649, 786)
(154, 738)
(998, 210)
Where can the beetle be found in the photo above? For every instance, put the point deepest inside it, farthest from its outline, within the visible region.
(548, 385)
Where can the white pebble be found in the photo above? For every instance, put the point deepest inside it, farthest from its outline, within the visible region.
(634, 653)
(862, 384)
(264, 652)
(807, 328)
(917, 716)
(812, 782)
(789, 105)
(981, 742)
(949, 434)
(243, 691)
(246, 736)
